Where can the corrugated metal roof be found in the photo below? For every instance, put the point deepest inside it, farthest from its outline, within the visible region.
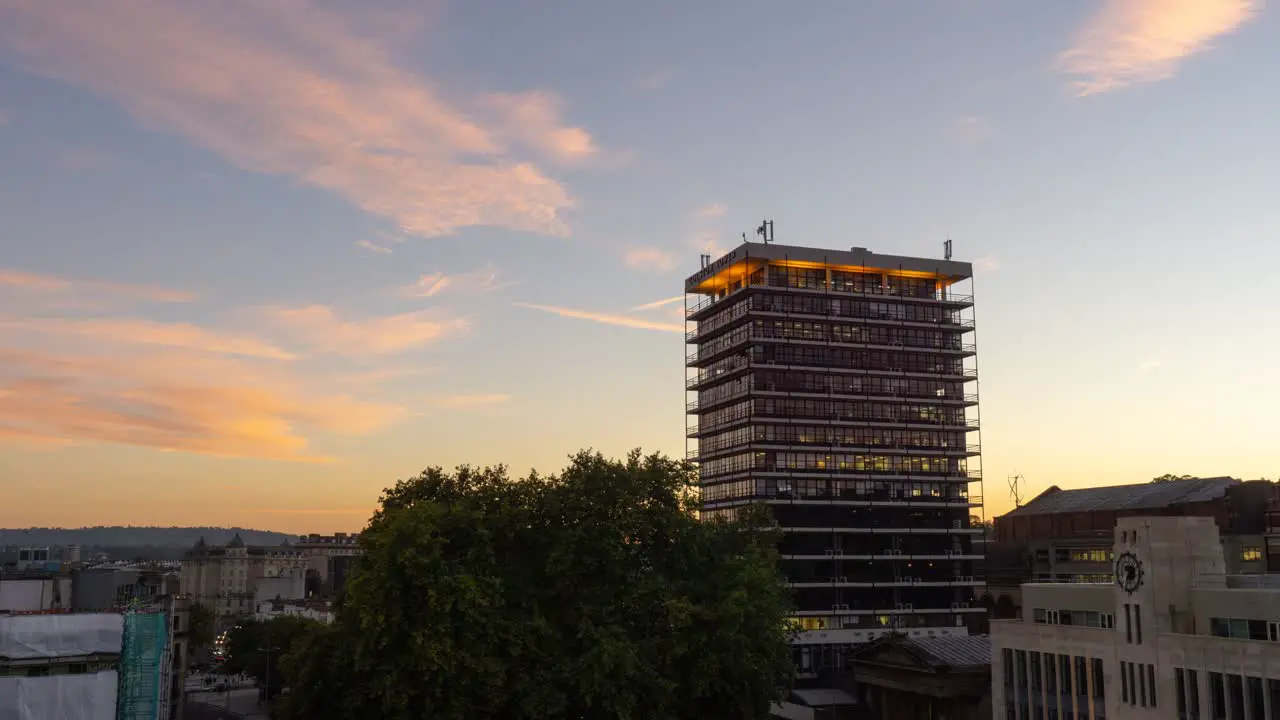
(957, 651)
(824, 697)
(1141, 496)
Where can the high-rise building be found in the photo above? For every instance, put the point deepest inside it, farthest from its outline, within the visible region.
(838, 387)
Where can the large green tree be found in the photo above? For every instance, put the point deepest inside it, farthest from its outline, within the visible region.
(595, 593)
(256, 647)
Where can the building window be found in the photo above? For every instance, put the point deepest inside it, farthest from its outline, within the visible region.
(1128, 624)
(1235, 695)
(1137, 622)
(1179, 689)
(1217, 697)
(1091, 555)
(1251, 554)
(1253, 686)
(1124, 682)
(1151, 683)
(1142, 684)
(1099, 687)
(1193, 681)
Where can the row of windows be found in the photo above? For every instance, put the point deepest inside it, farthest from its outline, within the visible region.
(835, 436)
(832, 462)
(815, 331)
(724, 416)
(856, 358)
(811, 382)
(1245, 629)
(724, 342)
(1038, 684)
(1230, 695)
(1138, 684)
(859, 410)
(848, 281)
(1080, 618)
(821, 488)
(853, 308)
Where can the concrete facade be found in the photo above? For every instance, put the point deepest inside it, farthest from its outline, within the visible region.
(1174, 636)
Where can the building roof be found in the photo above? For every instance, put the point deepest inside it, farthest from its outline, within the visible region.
(938, 653)
(1141, 496)
(956, 650)
(236, 542)
(853, 257)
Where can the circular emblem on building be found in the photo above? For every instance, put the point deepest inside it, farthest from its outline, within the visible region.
(1128, 572)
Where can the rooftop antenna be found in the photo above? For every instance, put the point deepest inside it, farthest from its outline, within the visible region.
(744, 237)
(705, 259)
(765, 231)
(946, 249)
(1017, 483)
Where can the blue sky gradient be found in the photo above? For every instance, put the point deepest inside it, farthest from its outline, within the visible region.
(261, 258)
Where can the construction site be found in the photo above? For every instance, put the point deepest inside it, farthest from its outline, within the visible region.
(115, 665)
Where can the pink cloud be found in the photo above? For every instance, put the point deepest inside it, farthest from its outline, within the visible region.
(484, 279)
(53, 284)
(1135, 41)
(533, 118)
(606, 318)
(714, 210)
(321, 329)
(172, 401)
(287, 87)
(135, 331)
(648, 258)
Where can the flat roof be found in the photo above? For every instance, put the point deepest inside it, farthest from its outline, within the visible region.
(1140, 496)
(854, 257)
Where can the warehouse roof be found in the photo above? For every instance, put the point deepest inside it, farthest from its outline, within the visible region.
(1142, 496)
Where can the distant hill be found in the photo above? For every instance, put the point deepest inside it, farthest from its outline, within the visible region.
(138, 537)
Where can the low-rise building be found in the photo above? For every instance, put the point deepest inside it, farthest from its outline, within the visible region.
(1065, 535)
(1173, 635)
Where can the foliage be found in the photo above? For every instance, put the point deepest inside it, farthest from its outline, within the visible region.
(255, 647)
(593, 594)
(1168, 477)
(200, 624)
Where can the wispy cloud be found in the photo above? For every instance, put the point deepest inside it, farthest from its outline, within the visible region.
(289, 87)
(175, 401)
(971, 130)
(659, 303)
(485, 279)
(465, 402)
(320, 329)
(606, 318)
(533, 118)
(51, 284)
(136, 331)
(1136, 41)
(648, 258)
(714, 210)
(373, 247)
(987, 263)
(1150, 364)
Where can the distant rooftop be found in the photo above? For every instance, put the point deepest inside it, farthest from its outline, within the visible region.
(956, 651)
(1141, 496)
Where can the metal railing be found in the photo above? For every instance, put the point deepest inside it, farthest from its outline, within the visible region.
(703, 353)
(874, 291)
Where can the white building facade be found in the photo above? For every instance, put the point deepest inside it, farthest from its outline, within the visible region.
(1173, 637)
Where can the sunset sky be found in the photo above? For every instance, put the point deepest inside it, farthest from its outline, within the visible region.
(261, 258)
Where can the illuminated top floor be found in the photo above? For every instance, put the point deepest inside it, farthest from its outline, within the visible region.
(747, 258)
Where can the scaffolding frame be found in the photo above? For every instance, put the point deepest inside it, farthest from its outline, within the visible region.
(144, 664)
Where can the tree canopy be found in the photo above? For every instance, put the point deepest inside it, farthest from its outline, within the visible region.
(1169, 476)
(256, 647)
(595, 593)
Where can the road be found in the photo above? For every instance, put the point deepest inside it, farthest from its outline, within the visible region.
(241, 704)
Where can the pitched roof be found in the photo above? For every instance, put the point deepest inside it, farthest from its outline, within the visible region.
(1141, 496)
(956, 651)
(938, 652)
(236, 542)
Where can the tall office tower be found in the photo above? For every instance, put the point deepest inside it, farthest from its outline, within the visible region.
(837, 387)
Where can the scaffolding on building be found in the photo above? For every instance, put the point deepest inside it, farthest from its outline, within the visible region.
(143, 693)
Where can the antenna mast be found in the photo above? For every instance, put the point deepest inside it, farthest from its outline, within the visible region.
(1017, 483)
(946, 249)
(765, 231)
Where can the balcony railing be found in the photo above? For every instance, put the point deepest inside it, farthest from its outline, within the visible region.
(784, 445)
(873, 291)
(708, 352)
(818, 393)
(704, 377)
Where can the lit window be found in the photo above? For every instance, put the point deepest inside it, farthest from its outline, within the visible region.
(1250, 554)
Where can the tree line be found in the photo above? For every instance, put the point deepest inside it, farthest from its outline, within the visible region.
(593, 593)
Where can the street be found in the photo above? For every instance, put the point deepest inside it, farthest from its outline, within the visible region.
(241, 704)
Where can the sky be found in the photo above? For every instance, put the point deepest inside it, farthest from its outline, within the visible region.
(259, 259)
